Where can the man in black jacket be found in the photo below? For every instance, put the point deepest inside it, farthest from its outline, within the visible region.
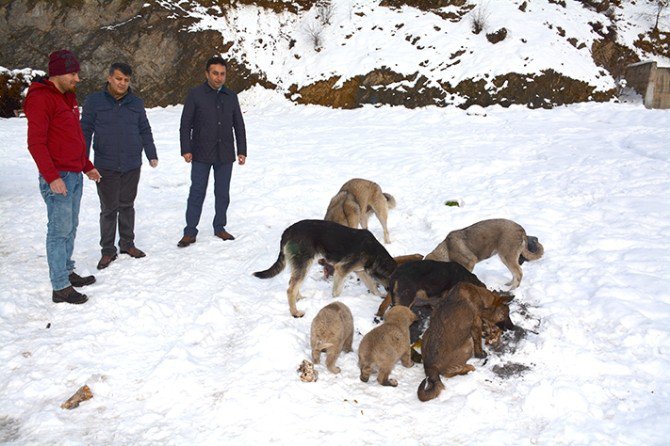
(119, 122)
(210, 116)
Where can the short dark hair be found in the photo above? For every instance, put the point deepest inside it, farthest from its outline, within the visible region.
(122, 67)
(216, 60)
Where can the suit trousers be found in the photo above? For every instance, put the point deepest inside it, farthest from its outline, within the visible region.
(196, 196)
(117, 192)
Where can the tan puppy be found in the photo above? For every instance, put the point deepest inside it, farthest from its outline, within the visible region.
(455, 334)
(332, 331)
(381, 348)
(356, 201)
(482, 240)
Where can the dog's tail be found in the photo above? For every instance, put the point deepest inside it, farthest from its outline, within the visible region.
(276, 268)
(430, 387)
(321, 346)
(532, 249)
(390, 201)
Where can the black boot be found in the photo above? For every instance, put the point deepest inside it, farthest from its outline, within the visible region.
(69, 295)
(78, 281)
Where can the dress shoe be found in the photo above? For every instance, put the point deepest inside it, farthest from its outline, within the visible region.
(185, 241)
(223, 235)
(69, 295)
(78, 281)
(134, 252)
(105, 261)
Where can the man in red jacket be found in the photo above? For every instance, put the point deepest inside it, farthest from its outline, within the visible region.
(56, 142)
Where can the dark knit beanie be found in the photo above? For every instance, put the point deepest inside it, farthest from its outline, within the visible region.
(63, 62)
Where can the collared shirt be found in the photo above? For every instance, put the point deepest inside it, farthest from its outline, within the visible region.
(208, 121)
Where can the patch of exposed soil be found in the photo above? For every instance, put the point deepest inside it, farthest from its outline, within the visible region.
(510, 369)
(9, 429)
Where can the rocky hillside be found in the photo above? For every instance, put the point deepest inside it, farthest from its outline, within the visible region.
(345, 53)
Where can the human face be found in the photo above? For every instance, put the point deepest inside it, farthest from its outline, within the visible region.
(216, 76)
(118, 83)
(66, 83)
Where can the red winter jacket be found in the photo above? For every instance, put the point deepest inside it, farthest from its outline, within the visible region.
(55, 139)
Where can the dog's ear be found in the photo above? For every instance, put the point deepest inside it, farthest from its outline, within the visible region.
(505, 296)
(507, 324)
(421, 299)
(410, 314)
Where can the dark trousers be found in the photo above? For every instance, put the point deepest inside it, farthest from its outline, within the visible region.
(196, 195)
(117, 192)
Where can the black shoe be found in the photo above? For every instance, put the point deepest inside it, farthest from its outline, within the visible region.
(105, 261)
(134, 252)
(69, 295)
(78, 281)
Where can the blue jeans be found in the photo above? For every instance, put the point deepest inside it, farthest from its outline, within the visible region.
(63, 214)
(196, 195)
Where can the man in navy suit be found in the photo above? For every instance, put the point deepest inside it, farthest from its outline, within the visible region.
(210, 117)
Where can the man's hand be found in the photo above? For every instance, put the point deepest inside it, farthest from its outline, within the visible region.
(241, 159)
(188, 157)
(58, 187)
(94, 175)
(153, 163)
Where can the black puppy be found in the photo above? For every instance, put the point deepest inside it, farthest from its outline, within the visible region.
(431, 276)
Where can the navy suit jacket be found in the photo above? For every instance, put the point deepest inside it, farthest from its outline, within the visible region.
(208, 121)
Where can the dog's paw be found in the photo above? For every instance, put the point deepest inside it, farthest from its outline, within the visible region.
(298, 314)
(391, 382)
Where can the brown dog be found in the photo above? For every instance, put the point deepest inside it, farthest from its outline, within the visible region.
(482, 240)
(332, 331)
(356, 201)
(455, 334)
(492, 309)
(381, 348)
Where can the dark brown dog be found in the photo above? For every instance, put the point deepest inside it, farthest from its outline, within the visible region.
(492, 308)
(349, 250)
(455, 333)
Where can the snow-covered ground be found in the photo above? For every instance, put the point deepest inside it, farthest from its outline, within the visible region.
(186, 347)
